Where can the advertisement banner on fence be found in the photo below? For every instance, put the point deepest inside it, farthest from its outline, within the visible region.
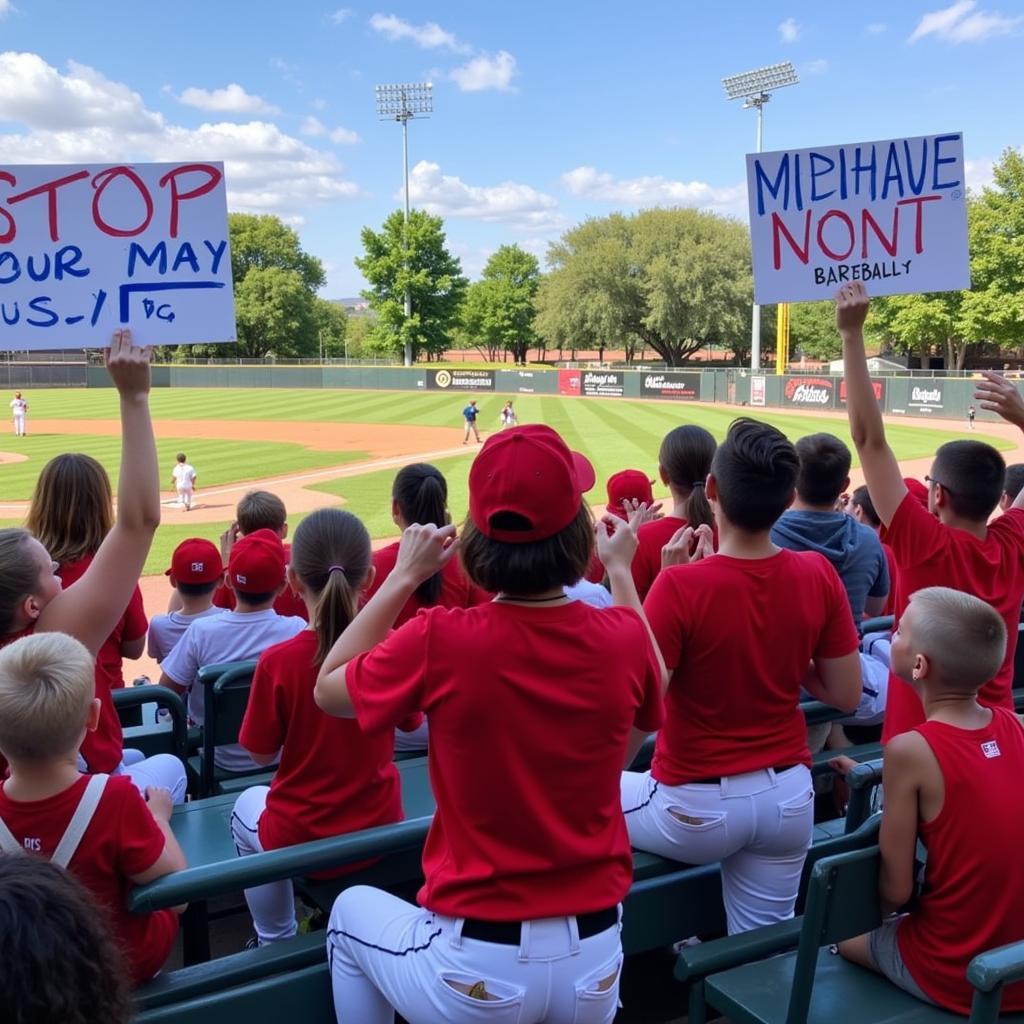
(681, 385)
(460, 380)
(877, 384)
(570, 382)
(603, 383)
(892, 214)
(86, 249)
(525, 382)
(757, 391)
(809, 392)
(926, 397)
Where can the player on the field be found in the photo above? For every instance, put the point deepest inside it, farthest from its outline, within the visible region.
(184, 478)
(19, 410)
(469, 414)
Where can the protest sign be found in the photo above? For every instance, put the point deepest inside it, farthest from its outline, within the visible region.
(88, 249)
(892, 215)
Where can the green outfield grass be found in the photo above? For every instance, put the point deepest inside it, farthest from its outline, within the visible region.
(614, 434)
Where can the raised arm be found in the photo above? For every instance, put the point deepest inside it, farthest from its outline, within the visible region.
(997, 394)
(91, 609)
(881, 470)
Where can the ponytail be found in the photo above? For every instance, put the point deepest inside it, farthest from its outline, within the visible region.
(421, 493)
(331, 555)
(685, 458)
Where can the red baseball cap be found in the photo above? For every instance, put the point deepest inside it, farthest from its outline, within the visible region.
(257, 563)
(196, 560)
(628, 484)
(530, 472)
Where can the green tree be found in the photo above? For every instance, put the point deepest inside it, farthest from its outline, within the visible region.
(812, 330)
(331, 325)
(396, 259)
(358, 334)
(259, 241)
(498, 310)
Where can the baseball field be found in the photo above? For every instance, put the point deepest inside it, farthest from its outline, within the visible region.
(333, 447)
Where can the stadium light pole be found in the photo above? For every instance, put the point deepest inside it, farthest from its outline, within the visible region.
(403, 103)
(755, 88)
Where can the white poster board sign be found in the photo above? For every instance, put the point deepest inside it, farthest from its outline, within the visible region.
(890, 214)
(88, 249)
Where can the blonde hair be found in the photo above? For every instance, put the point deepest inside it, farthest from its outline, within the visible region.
(963, 637)
(261, 510)
(72, 507)
(47, 682)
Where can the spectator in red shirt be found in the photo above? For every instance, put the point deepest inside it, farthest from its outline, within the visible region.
(684, 462)
(535, 702)
(731, 777)
(332, 778)
(1013, 486)
(951, 543)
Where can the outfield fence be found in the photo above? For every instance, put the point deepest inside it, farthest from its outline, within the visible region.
(935, 397)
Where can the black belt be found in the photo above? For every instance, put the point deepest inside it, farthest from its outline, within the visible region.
(508, 933)
(715, 780)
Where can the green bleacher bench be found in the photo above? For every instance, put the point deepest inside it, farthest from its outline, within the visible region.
(878, 624)
(168, 738)
(756, 982)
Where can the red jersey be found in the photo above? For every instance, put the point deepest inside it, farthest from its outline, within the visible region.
(973, 896)
(286, 603)
(650, 539)
(456, 590)
(102, 749)
(932, 555)
(738, 634)
(122, 840)
(530, 710)
(333, 778)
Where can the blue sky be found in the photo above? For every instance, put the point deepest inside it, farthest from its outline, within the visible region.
(545, 112)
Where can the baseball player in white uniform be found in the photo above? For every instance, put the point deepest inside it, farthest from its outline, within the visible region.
(184, 476)
(19, 407)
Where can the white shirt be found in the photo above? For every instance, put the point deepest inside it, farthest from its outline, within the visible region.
(166, 630)
(18, 406)
(230, 636)
(589, 593)
(184, 476)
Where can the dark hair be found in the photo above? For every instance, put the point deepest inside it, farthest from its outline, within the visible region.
(972, 473)
(421, 493)
(1014, 480)
(824, 468)
(19, 575)
(331, 554)
(755, 468)
(180, 456)
(685, 458)
(862, 499)
(531, 568)
(260, 510)
(58, 961)
(197, 589)
(254, 599)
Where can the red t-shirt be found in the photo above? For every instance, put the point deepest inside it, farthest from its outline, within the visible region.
(122, 840)
(650, 539)
(973, 897)
(738, 634)
(286, 603)
(333, 778)
(102, 749)
(456, 590)
(932, 555)
(530, 710)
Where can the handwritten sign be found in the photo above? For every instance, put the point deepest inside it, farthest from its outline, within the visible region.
(890, 214)
(85, 250)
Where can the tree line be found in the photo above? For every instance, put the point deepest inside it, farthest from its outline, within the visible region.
(666, 283)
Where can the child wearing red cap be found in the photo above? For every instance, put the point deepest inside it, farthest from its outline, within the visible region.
(256, 574)
(949, 543)
(535, 703)
(628, 485)
(195, 572)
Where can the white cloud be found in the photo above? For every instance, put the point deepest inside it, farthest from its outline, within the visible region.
(876, 28)
(319, 103)
(312, 126)
(232, 99)
(789, 30)
(83, 117)
(507, 203)
(487, 72)
(343, 136)
(961, 23)
(6, 7)
(978, 174)
(815, 67)
(341, 15)
(652, 190)
(428, 36)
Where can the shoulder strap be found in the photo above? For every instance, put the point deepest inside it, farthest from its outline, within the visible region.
(79, 821)
(8, 844)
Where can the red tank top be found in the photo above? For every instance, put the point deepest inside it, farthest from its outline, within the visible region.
(973, 897)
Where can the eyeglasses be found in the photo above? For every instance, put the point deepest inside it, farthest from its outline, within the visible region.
(938, 483)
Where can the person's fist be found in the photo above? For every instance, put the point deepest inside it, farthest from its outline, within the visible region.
(851, 307)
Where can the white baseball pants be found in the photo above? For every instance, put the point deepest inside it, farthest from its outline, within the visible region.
(185, 497)
(272, 905)
(386, 955)
(164, 771)
(759, 825)
(412, 741)
(19, 426)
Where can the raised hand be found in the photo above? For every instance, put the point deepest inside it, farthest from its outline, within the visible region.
(997, 394)
(852, 304)
(616, 542)
(639, 512)
(425, 550)
(688, 545)
(127, 364)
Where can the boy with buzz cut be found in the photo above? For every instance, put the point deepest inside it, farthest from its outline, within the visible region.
(951, 542)
(256, 576)
(195, 573)
(98, 827)
(953, 782)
